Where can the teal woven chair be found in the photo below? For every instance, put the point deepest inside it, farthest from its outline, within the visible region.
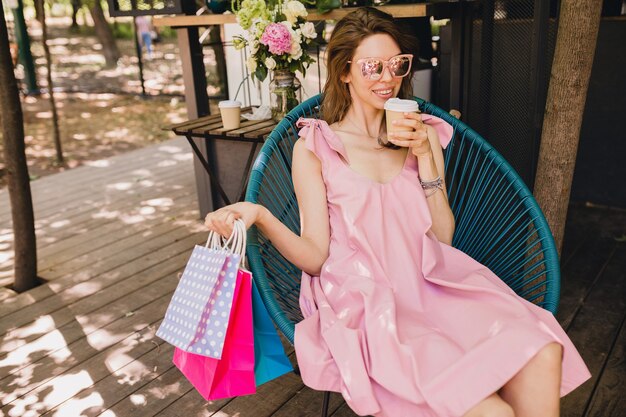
(498, 221)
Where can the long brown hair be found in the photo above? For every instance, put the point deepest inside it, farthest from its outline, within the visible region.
(346, 37)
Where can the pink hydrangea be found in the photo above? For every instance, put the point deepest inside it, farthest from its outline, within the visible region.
(277, 38)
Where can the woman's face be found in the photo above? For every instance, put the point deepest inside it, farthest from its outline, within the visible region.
(373, 93)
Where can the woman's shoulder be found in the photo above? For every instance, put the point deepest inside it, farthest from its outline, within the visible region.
(318, 137)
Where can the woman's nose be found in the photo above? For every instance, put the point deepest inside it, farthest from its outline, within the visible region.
(386, 75)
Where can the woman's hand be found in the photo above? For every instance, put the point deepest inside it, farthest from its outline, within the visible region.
(222, 221)
(417, 140)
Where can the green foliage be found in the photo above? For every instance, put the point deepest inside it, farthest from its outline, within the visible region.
(324, 6)
(261, 72)
(122, 30)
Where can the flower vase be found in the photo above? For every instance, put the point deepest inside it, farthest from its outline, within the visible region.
(284, 93)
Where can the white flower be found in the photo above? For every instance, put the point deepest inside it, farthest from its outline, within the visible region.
(251, 64)
(293, 9)
(270, 63)
(296, 51)
(254, 47)
(308, 30)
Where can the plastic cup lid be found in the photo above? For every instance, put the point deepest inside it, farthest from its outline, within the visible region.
(398, 104)
(229, 104)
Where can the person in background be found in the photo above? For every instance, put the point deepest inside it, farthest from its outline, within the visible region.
(144, 33)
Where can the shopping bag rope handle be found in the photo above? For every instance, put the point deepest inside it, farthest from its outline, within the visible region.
(236, 242)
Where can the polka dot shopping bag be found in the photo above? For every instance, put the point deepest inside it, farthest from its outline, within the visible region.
(209, 319)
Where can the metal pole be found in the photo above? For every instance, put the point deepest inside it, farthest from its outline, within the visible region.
(23, 42)
(139, 57)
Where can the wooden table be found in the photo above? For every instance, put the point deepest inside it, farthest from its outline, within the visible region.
(211, 128)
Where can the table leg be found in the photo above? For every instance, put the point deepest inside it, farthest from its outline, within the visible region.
(212, 175)
(246, 173)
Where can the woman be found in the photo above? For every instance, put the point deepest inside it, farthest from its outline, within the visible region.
(397, 320)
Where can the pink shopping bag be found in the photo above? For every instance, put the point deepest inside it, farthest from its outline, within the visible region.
(233, 374)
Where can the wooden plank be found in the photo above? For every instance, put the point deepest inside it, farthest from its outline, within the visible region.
(123, 245)
(401, 10)
(597, 322)
(83, 326)
(122, 178)
(199, 131)
(93, 199)
(107, 208)
(186, 123)
(126, 360)
(53, 240)
(115, 257)
(109, 234)
(244, 126)
(579, 276)
(39, 321)
(608, 398)
(135, 162)
(6, 293)
(77, 289)
(308, 403)
(46, 293)
(261, 133)
(81, 230)
(183, 128)
(251, 129)
(344, 411)
(267, 399)
(148, 399)
(94, 263)
(105, 393)
(55, 363)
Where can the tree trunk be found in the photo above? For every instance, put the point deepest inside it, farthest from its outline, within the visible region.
(41, 12)
(571, 69)
(25, 245)
(76, 5)
(104, 34)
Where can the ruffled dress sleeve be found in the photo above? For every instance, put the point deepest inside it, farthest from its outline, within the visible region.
(444, 129)
(320, 139)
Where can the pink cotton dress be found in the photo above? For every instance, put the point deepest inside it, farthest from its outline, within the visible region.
(399, 323)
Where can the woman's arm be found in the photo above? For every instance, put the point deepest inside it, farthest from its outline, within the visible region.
(424, 143)
(308, 251)
(431, 166)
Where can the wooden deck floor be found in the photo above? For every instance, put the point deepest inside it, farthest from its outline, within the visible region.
(112, 239)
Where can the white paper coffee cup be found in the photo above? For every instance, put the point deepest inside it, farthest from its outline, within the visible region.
(231, 113)
(395, 109)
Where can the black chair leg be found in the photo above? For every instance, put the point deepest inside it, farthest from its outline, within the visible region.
(325, 404)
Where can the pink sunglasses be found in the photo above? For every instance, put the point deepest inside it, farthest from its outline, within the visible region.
(373, 68)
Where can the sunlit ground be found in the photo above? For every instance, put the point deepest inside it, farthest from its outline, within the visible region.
(99, 108)
(113, 239)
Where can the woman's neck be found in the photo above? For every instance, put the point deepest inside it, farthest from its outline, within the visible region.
(369, 120)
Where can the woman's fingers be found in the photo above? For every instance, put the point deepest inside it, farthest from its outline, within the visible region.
(221, 222)
(420, 134)
(413, 120)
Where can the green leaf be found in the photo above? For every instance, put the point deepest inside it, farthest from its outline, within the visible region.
(325, 6)
(261, 72)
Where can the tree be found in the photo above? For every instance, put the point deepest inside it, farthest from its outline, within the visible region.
(41, 15)
(76, 5)
(104, 33)
(577, 35)
(11, 119)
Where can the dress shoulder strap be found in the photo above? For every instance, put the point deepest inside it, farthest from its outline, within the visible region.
(320, 139)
